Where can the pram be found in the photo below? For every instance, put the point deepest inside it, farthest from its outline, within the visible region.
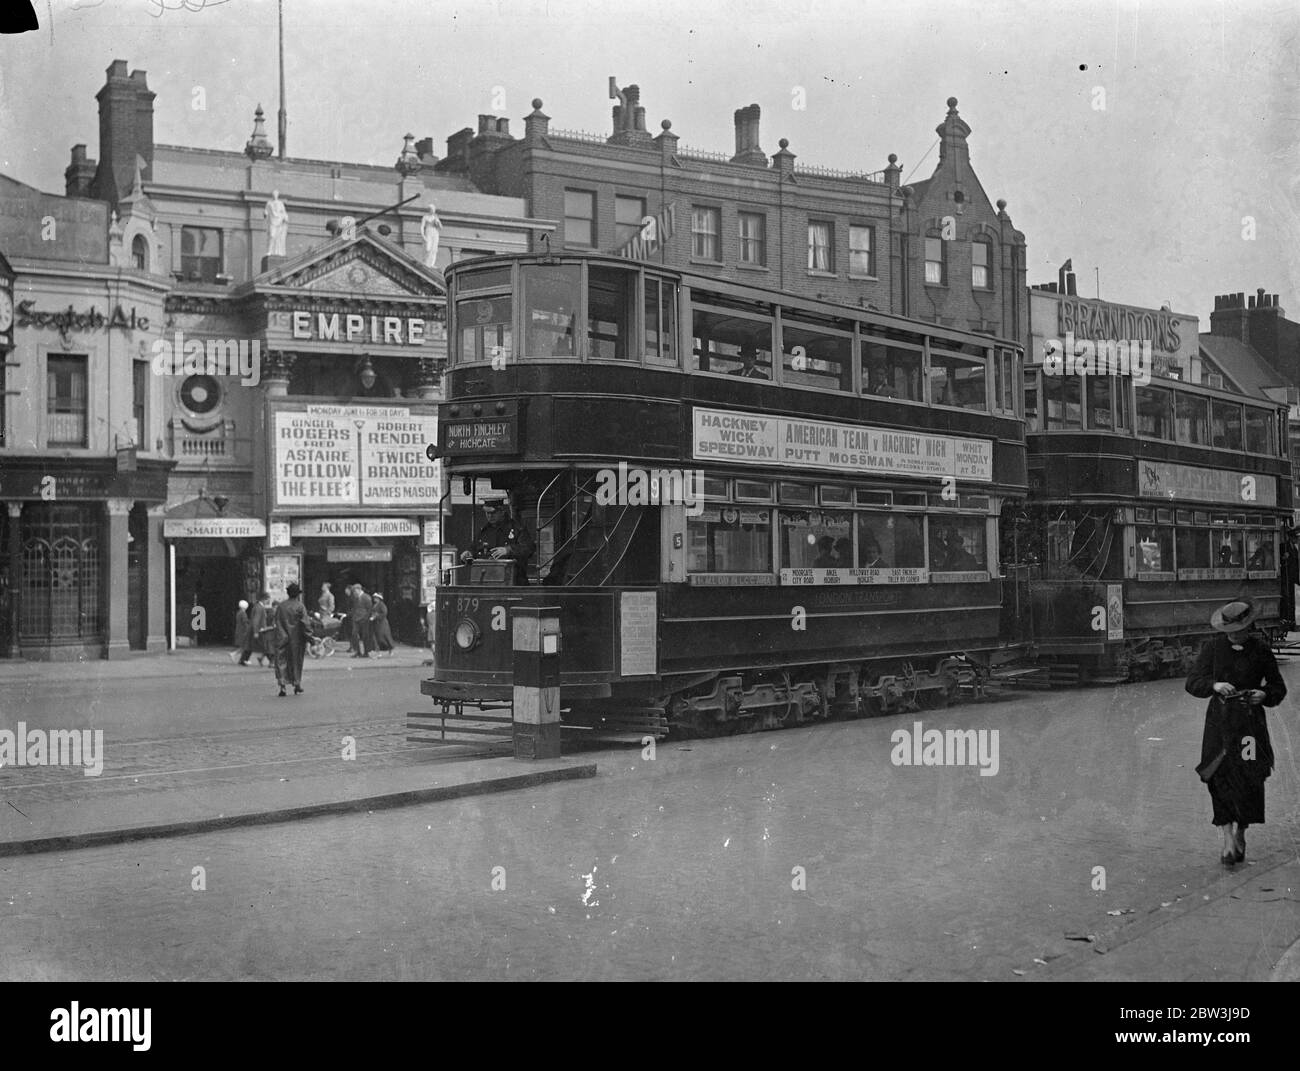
(323, 631)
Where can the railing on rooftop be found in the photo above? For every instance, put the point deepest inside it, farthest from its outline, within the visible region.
(813, 170)
(702, 154)
(585, 136)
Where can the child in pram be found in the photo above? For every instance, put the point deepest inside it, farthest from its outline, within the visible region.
(324, 629)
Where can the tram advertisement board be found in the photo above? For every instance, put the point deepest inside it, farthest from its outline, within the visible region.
(368, 457)
(758, 439)
(1164, 479)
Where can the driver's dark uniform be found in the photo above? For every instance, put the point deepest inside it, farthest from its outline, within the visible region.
(512, 535)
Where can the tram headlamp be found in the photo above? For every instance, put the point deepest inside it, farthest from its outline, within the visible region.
(466, 634)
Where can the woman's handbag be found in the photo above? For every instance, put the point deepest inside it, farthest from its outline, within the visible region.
(1206, 770)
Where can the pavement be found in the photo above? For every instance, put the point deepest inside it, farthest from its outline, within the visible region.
(293, 762)
(225, 754)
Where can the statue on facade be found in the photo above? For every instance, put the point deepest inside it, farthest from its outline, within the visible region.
(277, 225)
(431, 232)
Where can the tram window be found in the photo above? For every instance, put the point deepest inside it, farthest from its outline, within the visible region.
(550, 296)
(1064, 401)
(731, 344)
(1228, 550)
(1259, 550)
(1004, 381)
(727, 539)
(891, 371)
(1193, 548)
(1201, 518)
(1155, 413)
(957, 381)
(1031, 401)
(661, 322)
(875, 498)
(753, 491)
(979, 502)
(1164, 516)
(915, 499)
(1155, 550)
(716, 487)
(837, 496)
(1259, 424)
(957, 544)
(611, 312)
(800, 494)
(484, 328)
(813, 358)
(1191, 419)
(1122, 418)
(487, 279)
(890, 541)
(816, 539)
(1099, 390)
(1225, 422)
(1183, 516)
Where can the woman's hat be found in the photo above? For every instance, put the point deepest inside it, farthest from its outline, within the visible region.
(243, 605)
(293, 591)
(1234, 617)
(378, 595)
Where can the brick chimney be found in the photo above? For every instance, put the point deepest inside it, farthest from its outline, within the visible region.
(457, 158)
(1230, 317)
(125, 132)
(747, 147)
(79, 174)
(629, 120)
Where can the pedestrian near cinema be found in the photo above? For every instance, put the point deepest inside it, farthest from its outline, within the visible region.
(241, 631)
(1237, 672)
(325, 604)
(359, 615)
(502, 537)
(292, 629)
(260, 630)
(381, 633)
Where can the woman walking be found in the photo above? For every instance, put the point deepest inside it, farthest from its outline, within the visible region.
(383, 635)
(1237, 672)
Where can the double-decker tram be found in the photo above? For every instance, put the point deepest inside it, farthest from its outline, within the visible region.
(1150, 505)
(751, 509)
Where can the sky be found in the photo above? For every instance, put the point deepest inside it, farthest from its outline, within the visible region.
(1156, 144)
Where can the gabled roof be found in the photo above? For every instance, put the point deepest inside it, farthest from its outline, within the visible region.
(367, 264)
(1242, 364)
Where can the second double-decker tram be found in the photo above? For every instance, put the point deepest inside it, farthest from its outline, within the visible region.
(751, 509)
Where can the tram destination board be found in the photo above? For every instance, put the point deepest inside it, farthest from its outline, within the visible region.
(490, 433)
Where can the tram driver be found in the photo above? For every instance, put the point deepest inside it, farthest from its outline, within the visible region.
(502, 537)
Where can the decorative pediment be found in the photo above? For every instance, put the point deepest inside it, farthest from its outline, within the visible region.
(365, 265)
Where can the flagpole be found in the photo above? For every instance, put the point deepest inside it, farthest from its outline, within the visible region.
(284, 121)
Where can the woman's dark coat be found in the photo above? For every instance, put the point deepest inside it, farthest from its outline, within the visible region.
(382, 634)
(1237, 787)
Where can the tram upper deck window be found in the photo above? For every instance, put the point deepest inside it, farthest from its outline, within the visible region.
(1225, 425)
(1155, 413)
(890, 540)
(1259, 431)
(611, 312)
(1228, 549)
(732, 343)
(814, 355)
(958, 380)
(1192, 418)
(1099, 390)
(1260, 553)
(486, 279)
(892, 369)
(484, 328)
(1193, 548)
(1064, 401)
(1031, 400)
(550, 297)
(660, 322)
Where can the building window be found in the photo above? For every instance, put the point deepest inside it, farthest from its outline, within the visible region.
(4, 404)
(140, 253)
(753, 238)
(706, 226)
(979, 266)
(66, 400)
(139, 401)
(628, 214)
(200, 254)
(936, 263)
(580, 218)
(821, 255)
(862, 251)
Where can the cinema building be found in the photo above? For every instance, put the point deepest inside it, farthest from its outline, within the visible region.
(218, 418)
